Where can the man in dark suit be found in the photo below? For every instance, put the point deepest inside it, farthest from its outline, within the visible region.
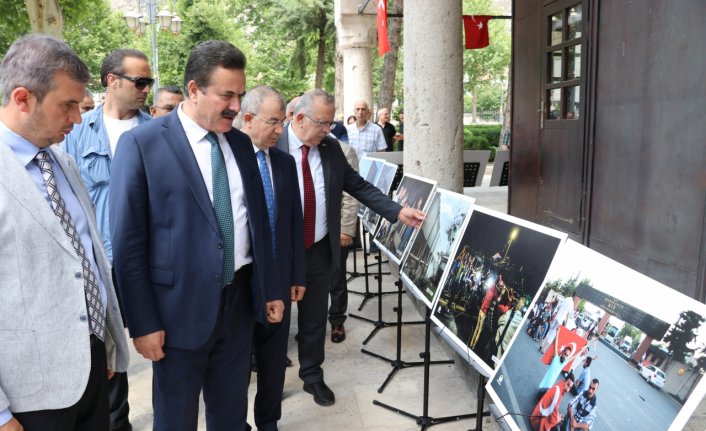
(324, 174)
(192, 246)
(263, 121)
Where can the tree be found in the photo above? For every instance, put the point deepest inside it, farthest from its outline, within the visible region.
(388, 73)
(683, 333)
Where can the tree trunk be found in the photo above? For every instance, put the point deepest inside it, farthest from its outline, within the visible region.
(507, 119)
(321, 51)
(45, 17)
(389, 65)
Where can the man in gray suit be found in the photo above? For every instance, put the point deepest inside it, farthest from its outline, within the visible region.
(61, 334)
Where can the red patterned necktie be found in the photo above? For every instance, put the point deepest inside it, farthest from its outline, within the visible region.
(309, 200)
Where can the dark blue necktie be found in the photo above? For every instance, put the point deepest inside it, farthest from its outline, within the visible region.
(269, 195)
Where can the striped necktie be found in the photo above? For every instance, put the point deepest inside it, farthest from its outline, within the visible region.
(96, 310)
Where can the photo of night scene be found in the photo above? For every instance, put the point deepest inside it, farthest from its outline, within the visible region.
(497, 269)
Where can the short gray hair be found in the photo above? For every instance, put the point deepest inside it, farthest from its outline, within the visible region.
(307, 101)
(256, 96)
(33, 61)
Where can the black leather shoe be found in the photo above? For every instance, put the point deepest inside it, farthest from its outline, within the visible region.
(338, 333)
(323, 396)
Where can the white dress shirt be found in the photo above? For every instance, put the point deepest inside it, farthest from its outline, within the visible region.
(317, 175)
(196, 136)
(269, 164)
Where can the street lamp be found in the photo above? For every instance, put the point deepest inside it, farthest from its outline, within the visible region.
(137, 23)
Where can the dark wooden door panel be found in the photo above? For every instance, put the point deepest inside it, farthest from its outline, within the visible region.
(648, 202)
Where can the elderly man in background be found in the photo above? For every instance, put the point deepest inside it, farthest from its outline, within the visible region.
(364, 136)
(388, 129)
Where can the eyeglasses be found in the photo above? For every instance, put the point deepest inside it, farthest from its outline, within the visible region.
(271, 123)
(323, 124)
(140, 82)
(168, 108)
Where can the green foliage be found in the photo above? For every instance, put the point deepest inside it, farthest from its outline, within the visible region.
(682, 334)
(93, 42)
(13, 23)
(480, 137)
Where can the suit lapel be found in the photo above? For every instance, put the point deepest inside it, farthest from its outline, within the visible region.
(176, 139)
(15, 178)
(326, 167)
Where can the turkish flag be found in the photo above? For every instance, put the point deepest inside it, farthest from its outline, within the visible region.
(476, 29)
(565, 338)
(383, 41)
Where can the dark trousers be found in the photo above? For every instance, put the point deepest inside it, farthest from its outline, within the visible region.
(221, 368)
(90, 413)
(339, 293)
(313, 310)
(270, 343)
(118, 388)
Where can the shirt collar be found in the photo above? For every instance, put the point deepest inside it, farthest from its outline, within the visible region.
(23, 149)
(194, 132)
(266, 150)
(294, 142)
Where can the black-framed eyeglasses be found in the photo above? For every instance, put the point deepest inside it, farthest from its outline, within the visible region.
(140, 81)
(323, 124)
(271, 123)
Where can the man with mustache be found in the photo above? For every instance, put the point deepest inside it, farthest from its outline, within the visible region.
(192, 246)
(126, 75)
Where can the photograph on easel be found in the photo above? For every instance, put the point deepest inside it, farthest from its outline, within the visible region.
(434, 241)
(383, 182)
(394, 239)
(605, 345)
(368, 168)
(497, 268)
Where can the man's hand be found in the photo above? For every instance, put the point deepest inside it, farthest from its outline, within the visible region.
(275, 311)
(111, 374)
(411, 216)
(346, 240)
(13, 425)
(297, 293)
(150, 345)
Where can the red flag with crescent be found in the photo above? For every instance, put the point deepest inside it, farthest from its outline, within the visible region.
(565, 338)
(383, 41)
(476, 30)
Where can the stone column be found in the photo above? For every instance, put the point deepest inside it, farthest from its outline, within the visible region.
(433, 91)
(356, 38)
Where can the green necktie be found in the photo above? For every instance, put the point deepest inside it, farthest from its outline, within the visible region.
(222, 207)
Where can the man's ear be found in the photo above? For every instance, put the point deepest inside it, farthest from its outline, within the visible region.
(23, 98)
(191, 89)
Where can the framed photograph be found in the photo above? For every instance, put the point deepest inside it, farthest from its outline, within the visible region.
(644, 360)
(368, 168)
(497, 269)
(394, 239)
(433, 242)
(383, 182)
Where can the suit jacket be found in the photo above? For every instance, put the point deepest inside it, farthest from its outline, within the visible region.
(167, 247)
(291, 264)
(349, 206)
(339, 176)
(45, 351)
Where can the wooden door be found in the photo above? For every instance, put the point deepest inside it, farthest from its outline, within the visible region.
(562, 152)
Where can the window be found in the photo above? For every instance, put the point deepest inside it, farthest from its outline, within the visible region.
(563, 72)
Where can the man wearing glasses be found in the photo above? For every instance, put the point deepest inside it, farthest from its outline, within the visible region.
(166, 99)
(263, 114)
(126, 75)
(324, 174)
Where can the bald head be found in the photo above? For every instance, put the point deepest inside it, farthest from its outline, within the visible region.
(362, 112)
